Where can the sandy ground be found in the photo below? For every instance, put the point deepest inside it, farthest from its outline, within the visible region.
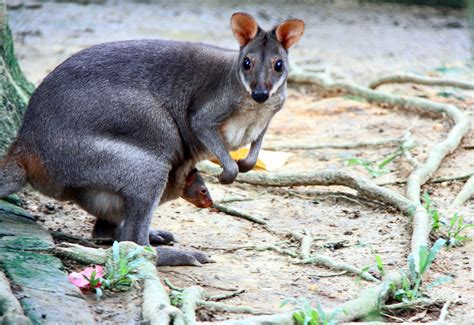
(358, 41)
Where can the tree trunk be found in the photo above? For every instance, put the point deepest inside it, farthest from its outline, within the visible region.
(15, 89)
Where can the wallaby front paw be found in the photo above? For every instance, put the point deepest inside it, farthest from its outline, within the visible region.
(245, 165)
(229, 174)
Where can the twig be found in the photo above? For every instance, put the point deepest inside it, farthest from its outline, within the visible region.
(329, 275)
(236, 213)
(409, 78)
(273, 248)
(431, 181)
(306, 146)
(465, 194)
(322, 260)
(444, 311)
(226, 295)
(171, 285)
(305, 248)
(412, 304)
(58, 235)
(230, 309)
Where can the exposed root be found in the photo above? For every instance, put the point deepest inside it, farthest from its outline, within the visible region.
(440, 150)
(230, 309)
(466, 193)
(364, 186)
(305, 146)
(239, 214)
(431, 181)
(322, 260)
(409, 78)
(305, 248)
(444, 311)
(10, 309)
(191, 296)
(417, 303)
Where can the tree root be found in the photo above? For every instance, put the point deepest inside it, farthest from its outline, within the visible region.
(421, 219)
(322, 260)
(409, 78)
(444, 311)
(230, 309)
(431, 181)
(304, 146)
(368, 301)
(465, 194)
(239, 214)
(364, 186)
(10, 309)
(440, 150)
(417, 303)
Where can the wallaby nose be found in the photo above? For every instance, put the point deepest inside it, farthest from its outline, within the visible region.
(260, 95)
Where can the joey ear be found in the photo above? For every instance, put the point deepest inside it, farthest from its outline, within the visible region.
(289, 32)
(244, 27)
(190, 179)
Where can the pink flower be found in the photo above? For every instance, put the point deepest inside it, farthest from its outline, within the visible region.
(80, 279)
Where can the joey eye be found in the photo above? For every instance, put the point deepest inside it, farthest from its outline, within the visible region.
(279, 66)
(202, 191)
(247, 64)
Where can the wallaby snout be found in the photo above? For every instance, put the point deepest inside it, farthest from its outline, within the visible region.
(260, 95)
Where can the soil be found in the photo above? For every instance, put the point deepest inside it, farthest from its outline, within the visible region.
(359, 41)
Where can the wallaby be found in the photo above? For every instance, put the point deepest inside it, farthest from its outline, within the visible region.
(117, 125)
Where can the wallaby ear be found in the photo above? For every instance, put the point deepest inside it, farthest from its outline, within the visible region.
(244, 27)
(289, 32)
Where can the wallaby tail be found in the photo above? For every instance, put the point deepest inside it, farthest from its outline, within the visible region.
(12, 176)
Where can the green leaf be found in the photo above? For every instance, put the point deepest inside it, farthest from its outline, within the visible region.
(378, 259)
(116, 251)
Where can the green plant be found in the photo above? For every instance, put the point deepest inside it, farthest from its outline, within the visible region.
(454, 229)
(376, 169)
(380, 267)
(306, 315)
(121, 268)
(95, 284)
(426, 256)
(456, 226)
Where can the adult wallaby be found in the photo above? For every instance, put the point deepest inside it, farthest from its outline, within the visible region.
(118, 125)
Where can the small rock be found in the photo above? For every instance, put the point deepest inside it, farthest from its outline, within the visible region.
(438, 127)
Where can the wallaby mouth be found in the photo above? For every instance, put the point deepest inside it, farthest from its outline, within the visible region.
(260, 95)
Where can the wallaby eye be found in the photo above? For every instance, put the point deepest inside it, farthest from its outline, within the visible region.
(279, 66)
(247, 64)
(202, 191)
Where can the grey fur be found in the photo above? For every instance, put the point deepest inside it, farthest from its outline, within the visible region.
(117, 126)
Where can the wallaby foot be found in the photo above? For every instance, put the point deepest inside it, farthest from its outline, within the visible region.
(161, 237)
(168, 256)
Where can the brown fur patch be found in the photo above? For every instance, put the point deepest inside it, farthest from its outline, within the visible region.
(35, 170)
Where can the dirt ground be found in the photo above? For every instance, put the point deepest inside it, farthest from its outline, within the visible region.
(359, 41)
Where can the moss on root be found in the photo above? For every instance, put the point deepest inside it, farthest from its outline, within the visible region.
(15, 89)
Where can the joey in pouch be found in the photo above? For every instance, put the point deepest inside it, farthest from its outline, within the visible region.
(118, 127)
